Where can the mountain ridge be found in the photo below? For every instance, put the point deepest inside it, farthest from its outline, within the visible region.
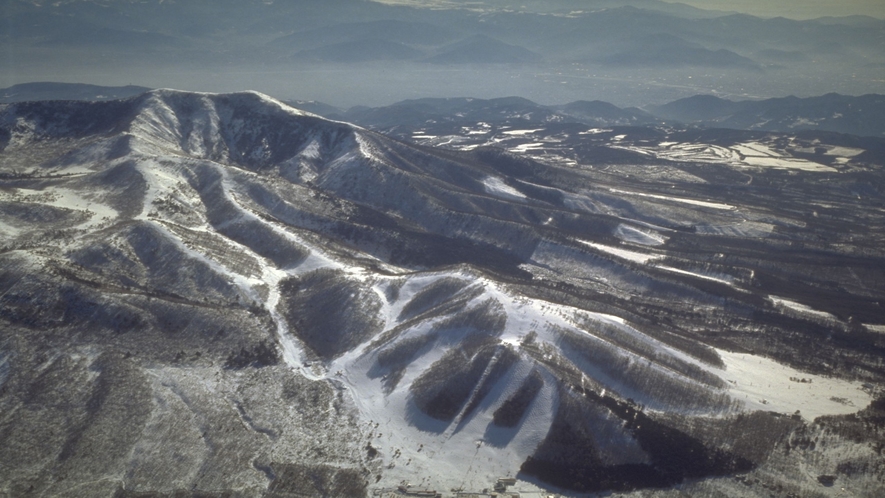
(703, 110)
(832, 112)
(66, 91)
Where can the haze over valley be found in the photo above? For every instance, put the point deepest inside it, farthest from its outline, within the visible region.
(629, 53)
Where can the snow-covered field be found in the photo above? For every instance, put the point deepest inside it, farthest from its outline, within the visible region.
(746, 155)
(764, 384)
(760, 155)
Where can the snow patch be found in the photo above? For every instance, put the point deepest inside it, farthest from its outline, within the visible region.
(73, 200)
(628, 233)
(750, 154)
(311, 150)
(879, 329)
(496, 186)
(636, 257)
(764, 384)
(844, 152)
(714, 205)
(801, 308)
(722, 279)
(521, 132)
(750, 229)
(527, 147)
(761, 155)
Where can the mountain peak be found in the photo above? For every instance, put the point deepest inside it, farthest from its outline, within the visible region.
(251, 98)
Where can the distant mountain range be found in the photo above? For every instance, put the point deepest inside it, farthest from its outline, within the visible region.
(392, 30)
(572, 6)
(861, 115)
(362, 50)
(668, 50)
(66, 91)
(864, 115)
(478, 49)
(481, 49)
(650, 48)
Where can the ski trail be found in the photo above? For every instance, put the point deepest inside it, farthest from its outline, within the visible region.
(161, 182)
(292, 349)
(455, 426)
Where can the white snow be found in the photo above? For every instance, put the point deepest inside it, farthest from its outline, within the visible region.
(705, 153)
(757, 149)
(714, 205)
(68, 199)
(764, 384)
(844, 151)
(801, 308)
(8, 232)
(284, 107)
(496, 186)
(311, 150)
(879, 329)
(636, 257)
(367, 150)
(628, 233)
(761, 155)
(481, 128)
(468, 452)
(527, 147)
(521, 132)
(787, 163)
(722, 279)
(159, 182)
(743, 229)
(750, 154)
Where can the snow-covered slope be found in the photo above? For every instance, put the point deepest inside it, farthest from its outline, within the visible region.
(460, 316)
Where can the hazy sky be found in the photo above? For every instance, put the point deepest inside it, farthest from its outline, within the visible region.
(794, 9)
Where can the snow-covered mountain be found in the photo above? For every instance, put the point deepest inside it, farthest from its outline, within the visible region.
(220, 294)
